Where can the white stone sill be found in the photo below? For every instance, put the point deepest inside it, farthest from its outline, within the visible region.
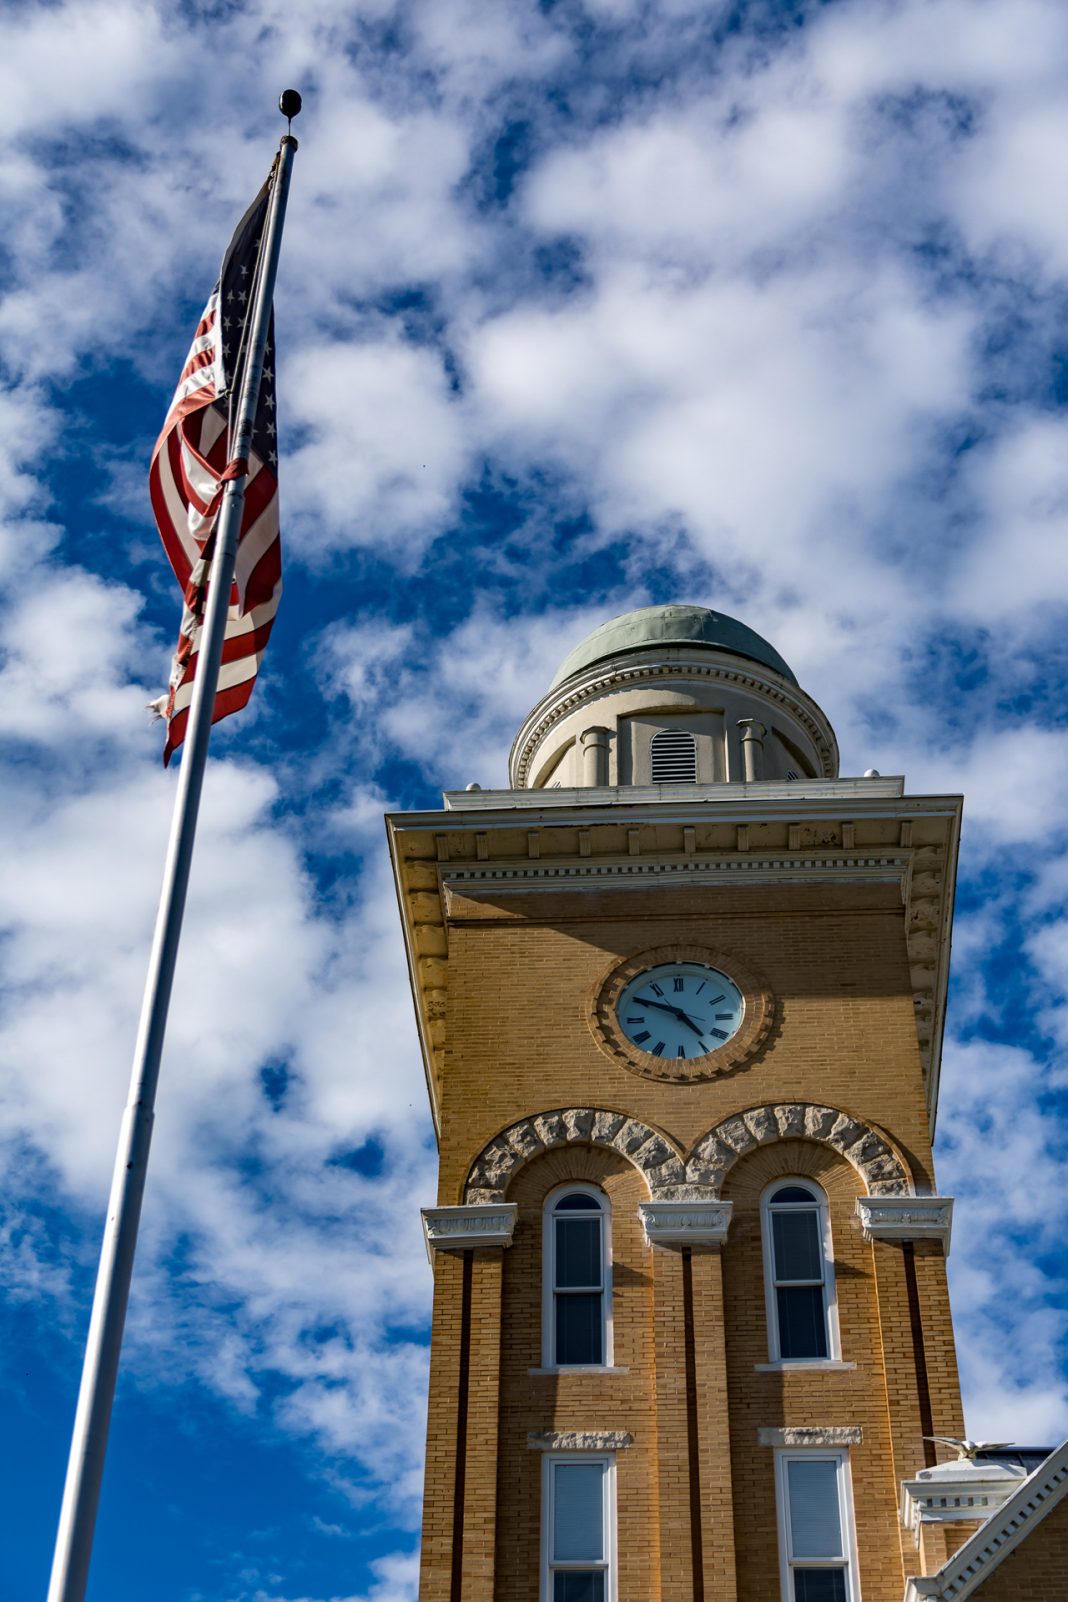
(579, 1368)
(829, 1365)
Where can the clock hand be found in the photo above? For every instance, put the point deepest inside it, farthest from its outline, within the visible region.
(688, 1021)
(663, 1006)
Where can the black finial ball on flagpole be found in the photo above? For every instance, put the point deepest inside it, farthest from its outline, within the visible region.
(289, 103)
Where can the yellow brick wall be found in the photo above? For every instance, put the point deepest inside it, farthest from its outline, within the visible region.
(518, 1040)
(521, 975)
(806, 1397)
(598, 1401)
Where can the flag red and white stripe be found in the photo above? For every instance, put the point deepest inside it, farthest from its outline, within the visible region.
(191, 464)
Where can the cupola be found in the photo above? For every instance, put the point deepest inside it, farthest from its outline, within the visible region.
(673, 695)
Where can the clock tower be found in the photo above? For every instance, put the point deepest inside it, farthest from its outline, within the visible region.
(680, 991)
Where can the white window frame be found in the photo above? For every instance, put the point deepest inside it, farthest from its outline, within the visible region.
(608, 1504)
(787, 1564)
(830, 1300)
(548, 1278)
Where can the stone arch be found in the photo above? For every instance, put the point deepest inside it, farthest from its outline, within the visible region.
(879, 1166)
(655, 1158)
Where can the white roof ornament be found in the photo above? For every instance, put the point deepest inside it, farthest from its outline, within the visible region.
(968, 1451)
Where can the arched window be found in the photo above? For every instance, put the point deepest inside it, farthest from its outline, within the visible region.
(673, 756)
(577, 1315)
(799, 1273)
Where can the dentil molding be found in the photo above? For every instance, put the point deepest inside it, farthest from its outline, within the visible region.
(600, 680)
(955, 1492)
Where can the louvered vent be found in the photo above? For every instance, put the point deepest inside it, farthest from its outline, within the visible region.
(674, 757)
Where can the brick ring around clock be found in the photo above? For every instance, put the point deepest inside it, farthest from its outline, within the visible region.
(681, 1012)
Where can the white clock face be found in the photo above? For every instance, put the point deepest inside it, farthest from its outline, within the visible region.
(680, 1010)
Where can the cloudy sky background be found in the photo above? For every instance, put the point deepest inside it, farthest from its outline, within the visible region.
(583, 306)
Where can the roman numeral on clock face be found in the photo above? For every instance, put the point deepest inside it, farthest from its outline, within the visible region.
(680, 995)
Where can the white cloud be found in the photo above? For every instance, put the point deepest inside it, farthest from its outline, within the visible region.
(260, 1195)
(701, 185)
(382, 452)
(71, 65)
(1020, 556)
(396, 1580)
(1001, 1157)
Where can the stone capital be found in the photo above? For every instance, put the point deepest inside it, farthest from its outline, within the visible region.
(479, 1224)
(906, 1218)
(685, 1223)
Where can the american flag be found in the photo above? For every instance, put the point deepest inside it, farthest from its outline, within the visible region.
(186, 482)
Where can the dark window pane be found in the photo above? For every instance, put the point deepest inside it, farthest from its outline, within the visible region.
(798, 1250)
(819, 1585)
(578, 1251)
(578, 1202)
(578, 1329)
(802, 1322)
(579, 1587)
(792, 1193)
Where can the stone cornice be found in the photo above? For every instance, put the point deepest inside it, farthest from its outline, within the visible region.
(716, 836)
(971, 1495)
(972, 1564)
(685, 1223)
(907, 1218)
(653, 668)
(457, 1229)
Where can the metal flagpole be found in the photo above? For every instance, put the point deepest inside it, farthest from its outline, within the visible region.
(85, 1467)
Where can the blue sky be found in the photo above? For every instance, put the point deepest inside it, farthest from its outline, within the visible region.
(583, 306)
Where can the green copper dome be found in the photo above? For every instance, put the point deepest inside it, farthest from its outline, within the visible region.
(651, 626)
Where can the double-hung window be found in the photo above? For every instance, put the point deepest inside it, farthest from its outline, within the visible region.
(815, 1527)
(799, 1273)
(578, 1528)
(577, 1328)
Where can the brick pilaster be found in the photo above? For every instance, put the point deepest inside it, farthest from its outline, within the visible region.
(713, 1427)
